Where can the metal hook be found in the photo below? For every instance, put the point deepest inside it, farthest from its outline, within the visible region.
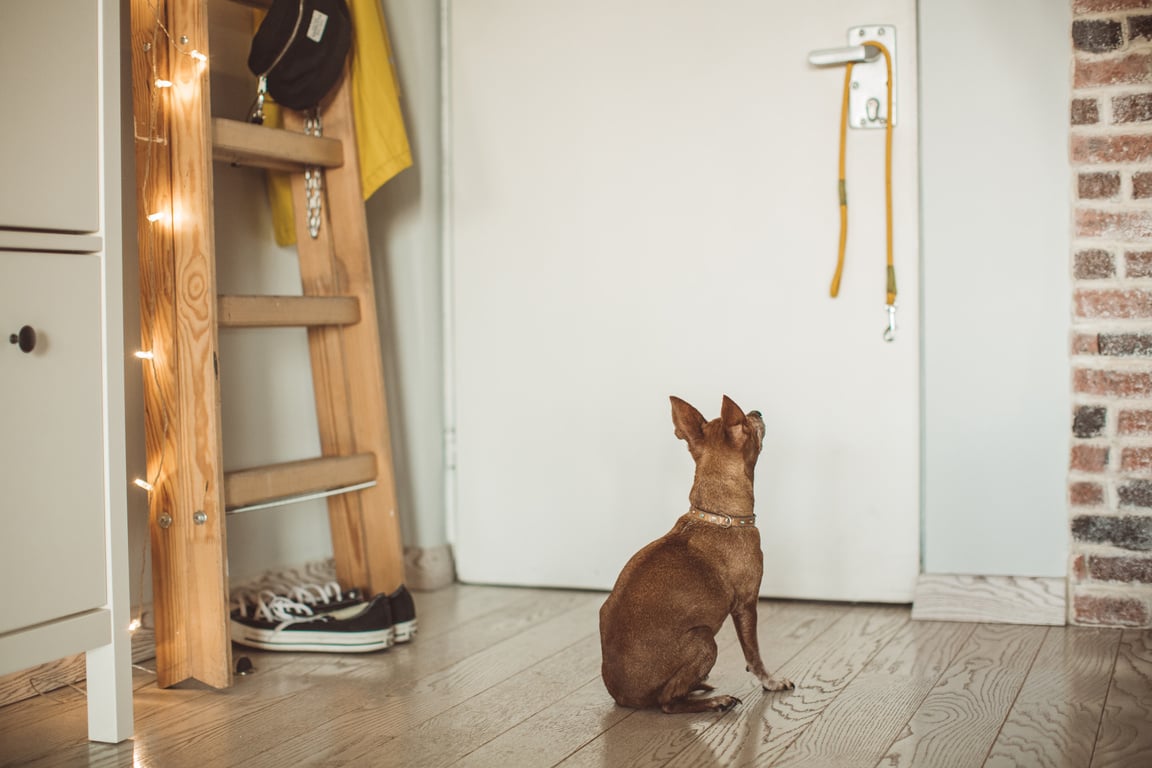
(890, 331)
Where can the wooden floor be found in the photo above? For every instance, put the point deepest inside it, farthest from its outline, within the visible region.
(510, 677)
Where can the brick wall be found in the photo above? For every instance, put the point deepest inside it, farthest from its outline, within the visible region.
(1110, 480)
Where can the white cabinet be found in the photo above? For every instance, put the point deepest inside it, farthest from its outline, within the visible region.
(52, 449)
(63, 514)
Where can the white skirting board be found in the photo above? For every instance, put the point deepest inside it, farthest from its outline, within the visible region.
(991, 599)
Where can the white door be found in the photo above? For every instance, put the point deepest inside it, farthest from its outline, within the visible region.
(644, 203)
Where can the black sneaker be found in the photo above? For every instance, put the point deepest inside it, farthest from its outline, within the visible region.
(281, 624)
(403, 614)
(320, 597)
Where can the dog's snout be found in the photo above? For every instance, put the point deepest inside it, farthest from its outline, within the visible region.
(757, 414)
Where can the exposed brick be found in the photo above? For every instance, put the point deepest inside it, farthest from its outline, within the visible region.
(1089, 458)
(1128, 569)
(1137, 493)
(1140, 27)
(1132, 109)
(1135, 423)
(1098, 186)
(1084, 494)
(1126, 531)
(1126, 344)
(1138, 263)
(1084, 112)
(1079, 568)
(1141, 185)
(1113, 304)
(1126, 148)
(1089, 420)
(1097, 35)
(1132, 69)
(1112, 383)
(1094, 264)
(1136, 460)
(1110, 611)
(1114, 225)
(1103, 6)
(1085, 344)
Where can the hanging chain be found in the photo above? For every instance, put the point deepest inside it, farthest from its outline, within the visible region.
(313, 178)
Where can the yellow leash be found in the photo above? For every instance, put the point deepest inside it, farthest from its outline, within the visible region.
(889, 333)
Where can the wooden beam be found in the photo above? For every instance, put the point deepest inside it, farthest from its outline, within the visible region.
(295, 478)
(347, 371)
(178, 325)
(241, 143)
(287, 311)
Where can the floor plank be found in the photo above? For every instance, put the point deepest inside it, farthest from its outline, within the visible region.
(1126, 728)
(1056, 716)
(859, 725)
(384, 708)
(511, 677)
(959, 719)
(761, 730)
(615, 735)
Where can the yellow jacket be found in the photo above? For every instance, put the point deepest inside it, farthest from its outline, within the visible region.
(381, 140)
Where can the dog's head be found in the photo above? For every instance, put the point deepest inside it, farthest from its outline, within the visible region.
(724, 446)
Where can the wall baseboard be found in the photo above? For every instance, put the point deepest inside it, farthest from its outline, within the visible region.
(990, 599)
(429, 568)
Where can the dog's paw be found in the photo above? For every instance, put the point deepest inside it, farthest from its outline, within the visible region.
(781, 684)
(725, 703)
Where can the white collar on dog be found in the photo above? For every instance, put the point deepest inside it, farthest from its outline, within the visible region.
(724, 521)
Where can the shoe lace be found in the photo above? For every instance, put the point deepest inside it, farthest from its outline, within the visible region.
(271, 607)
(248, 598)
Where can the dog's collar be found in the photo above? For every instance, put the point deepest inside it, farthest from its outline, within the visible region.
(724, 521)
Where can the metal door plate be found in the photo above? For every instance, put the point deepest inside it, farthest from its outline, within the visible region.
(868, 100)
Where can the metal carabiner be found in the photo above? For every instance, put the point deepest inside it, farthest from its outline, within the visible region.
(890, 331)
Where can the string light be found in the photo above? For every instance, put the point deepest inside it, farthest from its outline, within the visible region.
(142, 483)
(198, 56)
(135, 624)
(161, 83)
(144, 354)
(158, 216)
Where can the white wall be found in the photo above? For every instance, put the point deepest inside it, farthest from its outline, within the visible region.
(995, 184)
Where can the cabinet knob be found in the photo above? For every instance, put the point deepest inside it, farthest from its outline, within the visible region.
(26, 338)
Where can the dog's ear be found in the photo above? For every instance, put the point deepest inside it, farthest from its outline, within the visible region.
(735, 422)
(687, 420)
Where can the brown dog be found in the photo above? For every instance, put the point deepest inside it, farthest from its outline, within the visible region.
(658, 627)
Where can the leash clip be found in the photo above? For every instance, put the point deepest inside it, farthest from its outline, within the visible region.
(890, 331)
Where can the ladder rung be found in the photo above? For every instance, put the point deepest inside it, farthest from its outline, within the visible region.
(234, 141)
(293, 478)
(286, 311)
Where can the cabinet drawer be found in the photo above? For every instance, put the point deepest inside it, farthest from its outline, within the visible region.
(50, 90)
(52, 527)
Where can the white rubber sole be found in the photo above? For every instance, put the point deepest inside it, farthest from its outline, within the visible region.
(404, 631)
(320, 642)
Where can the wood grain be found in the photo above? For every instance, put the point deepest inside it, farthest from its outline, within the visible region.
(958, 720)
(278, 481)
(1055, 718)
(644, 738)
(286, 311)
(1006, 599)
(1125, 737)
(858, 726)
(178, 324)
(763, 728)
(510, 677)
(347, 368)
(242, 143)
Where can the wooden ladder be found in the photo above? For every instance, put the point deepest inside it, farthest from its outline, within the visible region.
(176, 142)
